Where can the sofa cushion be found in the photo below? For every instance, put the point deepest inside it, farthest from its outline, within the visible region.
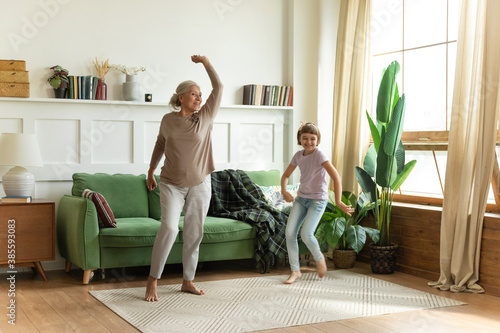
(131, 232)
(126, 194)
(265, 177)
(218, 230)
(274, 197)
(104, 213)
(136, 232)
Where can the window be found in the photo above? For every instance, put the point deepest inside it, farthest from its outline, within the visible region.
(422, 36)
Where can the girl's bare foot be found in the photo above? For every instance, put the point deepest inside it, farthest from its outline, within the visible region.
(295, 275)
(151, 288)
(321, 267)
(189, 287)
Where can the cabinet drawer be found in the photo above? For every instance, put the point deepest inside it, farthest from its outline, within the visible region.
(34, 231)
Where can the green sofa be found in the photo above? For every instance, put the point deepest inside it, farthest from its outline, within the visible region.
(137, 211)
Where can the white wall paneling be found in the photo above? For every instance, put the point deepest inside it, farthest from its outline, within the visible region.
(118, 137)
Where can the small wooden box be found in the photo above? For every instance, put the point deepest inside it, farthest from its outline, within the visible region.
(14, 89)
(12, 65)
(14, 76)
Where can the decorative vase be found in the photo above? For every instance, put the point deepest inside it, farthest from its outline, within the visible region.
(131, 88)
(101, 90)
(344, 258)
(383, 258)
(60, 92)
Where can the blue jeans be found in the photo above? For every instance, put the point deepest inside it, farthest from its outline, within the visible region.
(309, 212)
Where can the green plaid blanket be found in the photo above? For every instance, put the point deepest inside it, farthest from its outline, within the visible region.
(235, 196)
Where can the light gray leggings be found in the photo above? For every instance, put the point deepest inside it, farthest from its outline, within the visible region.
(195, 201)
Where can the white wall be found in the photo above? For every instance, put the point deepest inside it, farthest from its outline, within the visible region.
(314, 47)
(248, 41)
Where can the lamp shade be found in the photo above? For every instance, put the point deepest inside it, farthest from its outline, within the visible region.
(19, 149)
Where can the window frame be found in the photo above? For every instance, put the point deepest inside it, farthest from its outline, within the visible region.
(436, 140)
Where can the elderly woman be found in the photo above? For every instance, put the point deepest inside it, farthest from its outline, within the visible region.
(185, 183)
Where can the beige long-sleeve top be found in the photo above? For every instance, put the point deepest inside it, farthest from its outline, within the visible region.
(186, 144)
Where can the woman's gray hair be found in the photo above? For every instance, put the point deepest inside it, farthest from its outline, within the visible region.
(182, 88)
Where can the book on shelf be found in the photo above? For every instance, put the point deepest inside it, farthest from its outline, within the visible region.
(290, 97)
(88, 87)
(94, 86)
(272, 95)
(16, 199)
(71, 87)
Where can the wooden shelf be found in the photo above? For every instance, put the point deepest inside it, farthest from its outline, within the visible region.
(152, 104)
(78, 101)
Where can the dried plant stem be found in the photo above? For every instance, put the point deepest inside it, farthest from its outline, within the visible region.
(101, 67)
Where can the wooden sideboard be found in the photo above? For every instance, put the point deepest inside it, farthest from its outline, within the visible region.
(33, 227)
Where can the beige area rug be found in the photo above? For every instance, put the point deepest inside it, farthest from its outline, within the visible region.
(258, 303)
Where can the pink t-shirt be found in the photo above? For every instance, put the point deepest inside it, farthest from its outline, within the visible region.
(312, 174)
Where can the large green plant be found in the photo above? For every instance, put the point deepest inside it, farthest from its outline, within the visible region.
(384, 164)
(339, 229)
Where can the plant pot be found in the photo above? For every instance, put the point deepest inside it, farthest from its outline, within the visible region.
(383, 258)
(131, 88)
(344, 258)
(102, 90)
(60, 92)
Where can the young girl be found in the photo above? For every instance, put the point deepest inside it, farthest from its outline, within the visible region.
(311, 199)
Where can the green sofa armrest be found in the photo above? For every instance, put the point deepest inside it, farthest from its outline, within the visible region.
(78, 232)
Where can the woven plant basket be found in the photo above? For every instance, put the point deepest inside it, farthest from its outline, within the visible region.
(383, 258)
(344, 258)
(14, 89)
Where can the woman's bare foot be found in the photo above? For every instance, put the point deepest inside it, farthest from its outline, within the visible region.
(295, 275)
(189, 287)
(151, 295)
(321, 267)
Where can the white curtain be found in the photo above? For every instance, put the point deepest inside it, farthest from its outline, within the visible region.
(351, 90)
(471, 148)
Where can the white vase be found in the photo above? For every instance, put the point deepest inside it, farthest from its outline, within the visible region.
(131, 88)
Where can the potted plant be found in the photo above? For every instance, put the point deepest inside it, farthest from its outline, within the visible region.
(343, 232)
(384, 168)
(59, 81)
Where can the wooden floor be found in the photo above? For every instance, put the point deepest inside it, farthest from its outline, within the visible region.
(63, 304)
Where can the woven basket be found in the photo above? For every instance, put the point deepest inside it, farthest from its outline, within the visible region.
(14, 89)
(14, 76)
(344, 258)
(383, 258)
(12, 65)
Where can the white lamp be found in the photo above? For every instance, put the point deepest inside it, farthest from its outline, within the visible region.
(19, 150)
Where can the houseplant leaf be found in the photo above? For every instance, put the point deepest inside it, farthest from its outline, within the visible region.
(401, 177)
(400, 157)
(333, 237)
(386, 92)
(373, 233)
(367, 184)
(321, 232)
(328, 216)
(355, 237)
(395, 128)
(376, 132)
(55, 82)
(370, 161)
(386, 167)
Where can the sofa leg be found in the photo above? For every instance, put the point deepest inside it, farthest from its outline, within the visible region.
(87, 275)
(68, 266)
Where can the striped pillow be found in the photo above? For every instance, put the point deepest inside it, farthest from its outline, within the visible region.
(104, 213)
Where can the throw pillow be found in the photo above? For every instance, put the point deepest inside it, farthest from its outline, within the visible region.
(274, 197)
(104, 213)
